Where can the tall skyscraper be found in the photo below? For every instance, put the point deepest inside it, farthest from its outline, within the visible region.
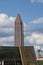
(19, 36)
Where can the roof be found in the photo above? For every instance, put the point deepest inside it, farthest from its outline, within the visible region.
(25, 54)
(9, 52)
(18, 19)
(28, 53)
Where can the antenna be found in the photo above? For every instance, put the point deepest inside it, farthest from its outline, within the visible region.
(18, 11)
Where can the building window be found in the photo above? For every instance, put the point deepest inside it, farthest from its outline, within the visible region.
(18, 63)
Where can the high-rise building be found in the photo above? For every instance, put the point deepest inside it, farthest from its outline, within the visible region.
(19, 36)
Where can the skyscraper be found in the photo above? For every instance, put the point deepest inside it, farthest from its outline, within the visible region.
(19, 36)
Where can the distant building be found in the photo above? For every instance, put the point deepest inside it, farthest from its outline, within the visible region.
(40, 57)
(19, 36)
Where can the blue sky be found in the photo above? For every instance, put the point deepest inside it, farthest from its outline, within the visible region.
(27, 9)
(31, 12)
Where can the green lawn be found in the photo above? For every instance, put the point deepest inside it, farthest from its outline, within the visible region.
(40, 62)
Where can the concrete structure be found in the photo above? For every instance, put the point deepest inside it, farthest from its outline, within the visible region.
(24, 55)
(28, 56)
(19, 36)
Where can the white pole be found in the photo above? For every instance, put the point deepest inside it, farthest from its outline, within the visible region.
(2, 62)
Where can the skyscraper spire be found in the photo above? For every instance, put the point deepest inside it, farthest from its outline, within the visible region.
(18, 19)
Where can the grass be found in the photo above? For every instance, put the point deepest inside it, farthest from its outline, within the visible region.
(40, 62)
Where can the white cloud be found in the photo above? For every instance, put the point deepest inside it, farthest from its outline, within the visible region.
(6, 24)
(6, 41)
(6, 30)
(32, 1)
(39, 0)
(7, 38)
(37, 21)
(37, 48)
(35, 38)
(5, 20)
